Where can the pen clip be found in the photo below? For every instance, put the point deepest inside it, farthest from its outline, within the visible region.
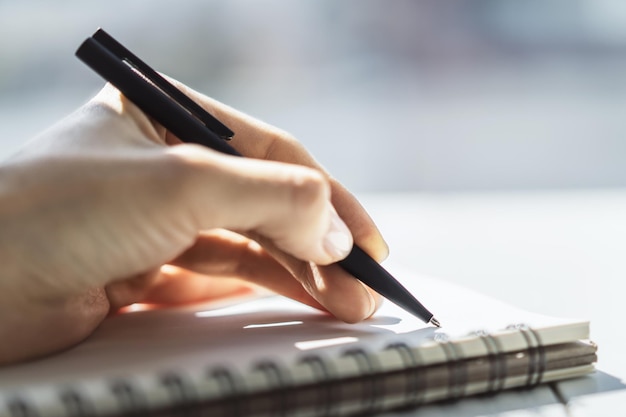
(121, 52)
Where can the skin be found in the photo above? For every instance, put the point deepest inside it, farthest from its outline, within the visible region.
(107, 208)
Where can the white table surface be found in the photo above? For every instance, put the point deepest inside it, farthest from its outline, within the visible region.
(561, 253)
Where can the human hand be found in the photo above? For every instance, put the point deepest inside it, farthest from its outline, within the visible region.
(107, 208)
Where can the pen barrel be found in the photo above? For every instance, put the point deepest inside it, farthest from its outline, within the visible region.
(371, 273)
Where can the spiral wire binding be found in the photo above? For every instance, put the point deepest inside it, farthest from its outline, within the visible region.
(372, 390)
(75, 404)
(20, 408)
(497, 362)
(417, 385)
(231, 386)
(457, 368)
(182, 395)
(320, 368)
(278, 378)
(129, 399)
(536, 354)
(184, 400)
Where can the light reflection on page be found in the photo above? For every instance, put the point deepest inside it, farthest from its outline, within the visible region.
(314, 344)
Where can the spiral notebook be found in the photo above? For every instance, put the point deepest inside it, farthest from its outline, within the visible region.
(272, 356)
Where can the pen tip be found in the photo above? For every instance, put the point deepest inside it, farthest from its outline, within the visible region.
(434, 322)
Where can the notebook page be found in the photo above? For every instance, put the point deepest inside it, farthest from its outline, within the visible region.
(274, 328)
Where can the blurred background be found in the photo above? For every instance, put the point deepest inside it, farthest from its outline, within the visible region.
(389, 96)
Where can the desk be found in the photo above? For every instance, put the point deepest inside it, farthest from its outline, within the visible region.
(561, 253)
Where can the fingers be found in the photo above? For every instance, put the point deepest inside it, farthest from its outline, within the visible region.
(336, 290)
(326, 284)
(220, 254)
(364, 231)
(182, 286)
(223, 264)
(131, 290)
(171, 285)
(219, 265)
(287, 204)
(224, 254)
(256, 139)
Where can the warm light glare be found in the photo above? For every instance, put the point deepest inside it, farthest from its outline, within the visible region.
(169, 269)
(314, 344)
(132, 308)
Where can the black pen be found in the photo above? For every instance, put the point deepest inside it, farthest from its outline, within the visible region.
(178, 113)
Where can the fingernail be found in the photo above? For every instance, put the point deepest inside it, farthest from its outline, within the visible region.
(338, 239)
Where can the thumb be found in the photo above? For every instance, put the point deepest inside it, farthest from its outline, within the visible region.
(288, 204)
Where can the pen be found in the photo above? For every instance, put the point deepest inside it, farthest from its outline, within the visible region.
(178, 113)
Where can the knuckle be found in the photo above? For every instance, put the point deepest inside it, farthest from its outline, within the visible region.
(179, 176)
(309, 191)
(173, 172)
(182, 165)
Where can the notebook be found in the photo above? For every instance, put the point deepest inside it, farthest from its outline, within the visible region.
(272, 356)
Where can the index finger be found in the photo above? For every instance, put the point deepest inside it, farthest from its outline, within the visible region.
(256, 139)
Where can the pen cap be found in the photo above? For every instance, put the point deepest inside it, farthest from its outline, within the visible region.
(119, 50)
(149, 97)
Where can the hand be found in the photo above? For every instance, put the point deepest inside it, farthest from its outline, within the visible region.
(107, 208)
